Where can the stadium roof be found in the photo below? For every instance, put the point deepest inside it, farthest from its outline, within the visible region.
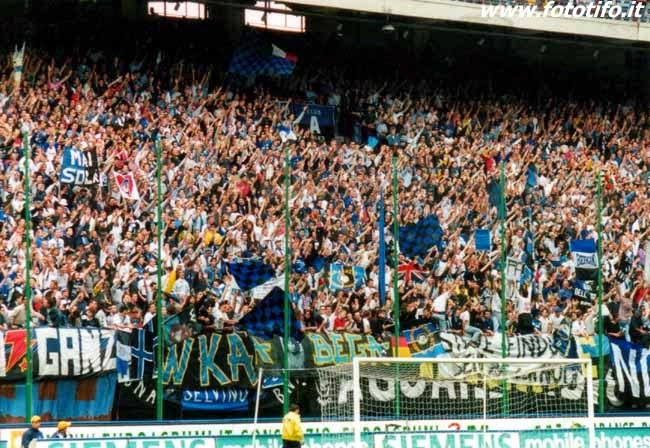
(470, 13)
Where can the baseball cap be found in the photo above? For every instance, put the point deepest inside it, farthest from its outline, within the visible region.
(36, 419)
(63, 425)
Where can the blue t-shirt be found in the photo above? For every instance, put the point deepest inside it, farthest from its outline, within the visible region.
(29, 435)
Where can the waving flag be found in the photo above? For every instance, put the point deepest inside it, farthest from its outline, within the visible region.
(286, 134)
(18, 58)
(346, 277)
(122, 356)
(584, 258)
(416, 239)
(267, 318)
(255, 57)
(482, 240)
(424, 341)
(127, 186)
(136, 354)
(250, 273)
(411, 272)
(261, 291)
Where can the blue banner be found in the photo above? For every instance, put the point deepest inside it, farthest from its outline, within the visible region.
(346, 277)
(79, 167)
(72, 399)
(325, 115)
(233, 399)
(416, 239)
(267, 318)
(424, 341)
(482, 239)
(585, 258)
(250, 273)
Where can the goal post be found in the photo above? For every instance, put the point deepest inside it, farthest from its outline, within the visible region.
(472, 388)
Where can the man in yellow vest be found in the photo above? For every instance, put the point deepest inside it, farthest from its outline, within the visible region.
(292, 436)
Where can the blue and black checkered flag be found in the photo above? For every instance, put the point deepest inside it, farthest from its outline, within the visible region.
(416, 239)
(250, 273)
(255, 57)
(266, 319)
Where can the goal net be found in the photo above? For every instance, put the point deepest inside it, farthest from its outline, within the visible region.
(406, 394)
(409, 390)
(309, 389)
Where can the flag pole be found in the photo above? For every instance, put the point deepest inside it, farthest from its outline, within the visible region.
(395, 286)
(382, 249)
(601, 359)
(28, 281)
(287, 272)
(159, 320)
(504, 334)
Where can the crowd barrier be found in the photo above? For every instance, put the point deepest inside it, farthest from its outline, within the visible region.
(556, 438)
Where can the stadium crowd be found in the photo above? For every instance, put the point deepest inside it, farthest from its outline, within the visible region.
(94, 251)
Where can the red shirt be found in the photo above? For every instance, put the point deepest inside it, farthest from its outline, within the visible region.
(339, 323)
(244, 188)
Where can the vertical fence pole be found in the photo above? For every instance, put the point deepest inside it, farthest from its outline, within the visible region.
(159, 320)
(395, 286)
(28, 280)
(601, 359)
(287, 273)
(504, 334)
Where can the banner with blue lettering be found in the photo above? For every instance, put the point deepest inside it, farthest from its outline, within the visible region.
(220, 371)
(324, 115)
(211, 361)
(79, 167)
(585, 258)
(232, 399)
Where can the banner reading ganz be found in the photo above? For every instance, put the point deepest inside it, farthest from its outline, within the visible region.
(57, 352)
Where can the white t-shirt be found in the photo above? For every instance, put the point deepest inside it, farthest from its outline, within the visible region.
(464, 316)
(440, 303)
(556, 321)
(578, 328)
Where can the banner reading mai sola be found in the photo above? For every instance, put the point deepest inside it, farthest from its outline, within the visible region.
(79, 167)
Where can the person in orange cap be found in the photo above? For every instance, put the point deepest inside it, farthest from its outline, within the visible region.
(32, 433)
(62, 430)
